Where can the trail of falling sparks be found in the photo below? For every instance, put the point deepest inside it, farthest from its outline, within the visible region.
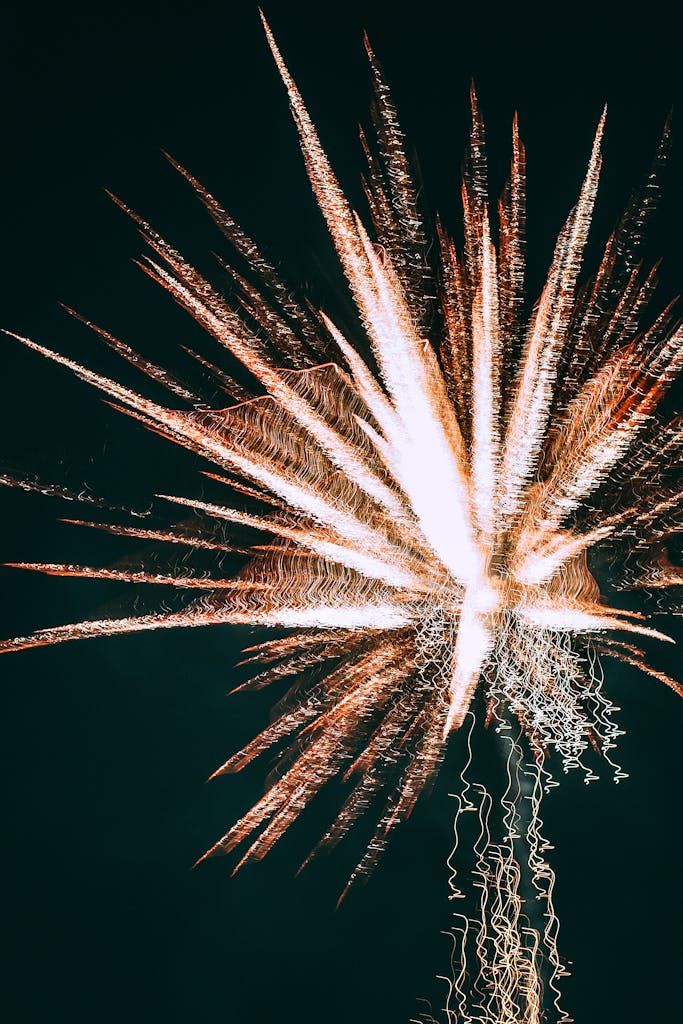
(504, 956)
(433, 486)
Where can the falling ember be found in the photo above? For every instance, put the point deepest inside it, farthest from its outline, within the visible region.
(430, 493)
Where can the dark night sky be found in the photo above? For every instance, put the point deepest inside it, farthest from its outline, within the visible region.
(107, 743)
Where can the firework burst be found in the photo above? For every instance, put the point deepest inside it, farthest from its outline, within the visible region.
(419, 499)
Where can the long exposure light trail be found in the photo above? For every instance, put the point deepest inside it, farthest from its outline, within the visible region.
(432, 486)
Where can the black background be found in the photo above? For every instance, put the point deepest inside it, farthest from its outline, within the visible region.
(107, 744)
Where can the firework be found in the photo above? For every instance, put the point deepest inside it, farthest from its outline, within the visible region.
(418, 497)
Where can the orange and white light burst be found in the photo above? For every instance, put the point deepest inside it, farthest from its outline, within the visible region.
(417, 499)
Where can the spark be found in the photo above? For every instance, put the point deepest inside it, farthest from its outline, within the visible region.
(434, 484)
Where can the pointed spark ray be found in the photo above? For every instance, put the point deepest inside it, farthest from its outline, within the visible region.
(135, 359)
(548, 332)
(430, 521)
(131, 576)
(363, 562)
(164, 536)
(485, 372)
